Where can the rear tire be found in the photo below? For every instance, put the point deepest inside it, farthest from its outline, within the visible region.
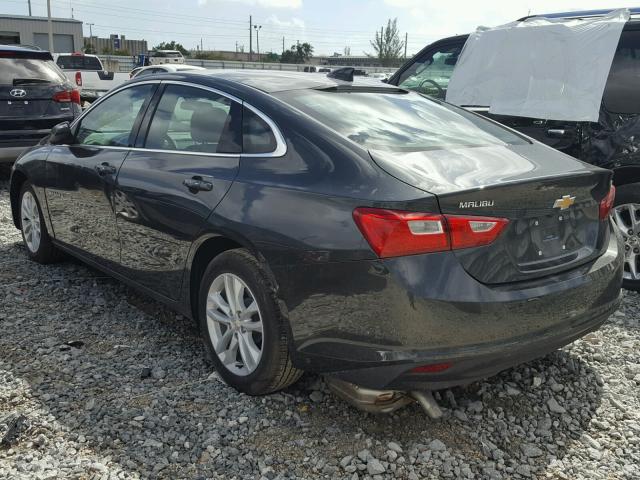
(243, 327)
(626, 217)
(36, 238)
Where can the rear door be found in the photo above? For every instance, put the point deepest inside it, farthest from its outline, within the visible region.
(186, 160)
(81, 176)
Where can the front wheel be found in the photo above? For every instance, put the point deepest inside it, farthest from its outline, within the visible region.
(34, 231)
(242, 324)
(626, 218)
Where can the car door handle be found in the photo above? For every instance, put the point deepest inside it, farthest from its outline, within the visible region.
(105, 169)
(556, 132)
(197, 184)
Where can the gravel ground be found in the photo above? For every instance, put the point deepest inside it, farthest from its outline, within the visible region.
(102, 382)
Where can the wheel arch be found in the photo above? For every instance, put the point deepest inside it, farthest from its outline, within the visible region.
(626, 175)
(18, 178)
(204, 250)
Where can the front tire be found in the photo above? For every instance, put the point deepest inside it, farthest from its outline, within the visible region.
(243, 327)
(626, 218)
(36, 238)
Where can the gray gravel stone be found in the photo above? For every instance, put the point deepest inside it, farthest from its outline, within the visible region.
(115, 386)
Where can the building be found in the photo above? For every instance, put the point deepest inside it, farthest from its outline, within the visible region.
(116, 44)
(26, 30)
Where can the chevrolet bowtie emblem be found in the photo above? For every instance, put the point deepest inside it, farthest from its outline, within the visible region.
(565, 202)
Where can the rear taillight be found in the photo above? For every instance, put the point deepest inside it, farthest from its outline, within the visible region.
(70, 96)
(79, 79)
(394, 233)
(606, 204)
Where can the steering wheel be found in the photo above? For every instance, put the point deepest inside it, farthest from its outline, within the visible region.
(168, 143)
(435, 84)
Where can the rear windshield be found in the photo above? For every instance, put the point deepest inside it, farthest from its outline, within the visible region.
(398, 121)
(78, 62)
(19, 71)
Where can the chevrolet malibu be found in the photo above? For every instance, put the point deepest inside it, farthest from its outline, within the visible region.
(361, 231)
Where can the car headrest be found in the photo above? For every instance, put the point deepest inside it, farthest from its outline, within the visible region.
(207, 123)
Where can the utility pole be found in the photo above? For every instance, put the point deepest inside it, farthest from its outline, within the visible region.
(29, 1)
(406, 37)
(258, 27)
(50, 26)
(91, 34)
(201, 44)
(283, 45)
(250, 39)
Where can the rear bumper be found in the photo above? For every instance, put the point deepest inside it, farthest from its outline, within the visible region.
(370, 323)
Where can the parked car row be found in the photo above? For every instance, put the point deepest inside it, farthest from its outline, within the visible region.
(387, 239)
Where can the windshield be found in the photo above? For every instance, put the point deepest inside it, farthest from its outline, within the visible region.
(16, 71)
(398, 121)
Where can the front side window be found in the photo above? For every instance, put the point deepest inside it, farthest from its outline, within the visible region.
(111, 122)
(430, 74)
(195, 120)
(621, 91)
(401, 122)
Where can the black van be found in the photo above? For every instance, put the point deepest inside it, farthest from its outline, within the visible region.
(34, 96)
(613, 142)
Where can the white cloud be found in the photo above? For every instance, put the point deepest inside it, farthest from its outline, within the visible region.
(262, 3)
(293, 23)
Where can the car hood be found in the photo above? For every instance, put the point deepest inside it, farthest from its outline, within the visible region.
(473, 168)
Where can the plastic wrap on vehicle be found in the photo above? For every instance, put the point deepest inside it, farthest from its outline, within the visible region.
(541, 68)
(612, 142)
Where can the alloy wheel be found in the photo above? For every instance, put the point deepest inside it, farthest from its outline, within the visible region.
(626, 218)
(30, 221)
(235, 324)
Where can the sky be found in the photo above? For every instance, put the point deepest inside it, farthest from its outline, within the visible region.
(328, 25)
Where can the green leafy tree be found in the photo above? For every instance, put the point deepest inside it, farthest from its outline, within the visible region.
(88, 48)
(298, 53)
(172, 45)
(387, 45)
(271, 57)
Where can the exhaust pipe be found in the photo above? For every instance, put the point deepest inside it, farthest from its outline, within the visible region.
(382, 401)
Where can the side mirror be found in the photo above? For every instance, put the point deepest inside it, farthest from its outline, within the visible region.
(61, 134)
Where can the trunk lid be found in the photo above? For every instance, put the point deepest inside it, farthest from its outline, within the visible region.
(551, 201)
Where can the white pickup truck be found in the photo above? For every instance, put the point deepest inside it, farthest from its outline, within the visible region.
(88, 74)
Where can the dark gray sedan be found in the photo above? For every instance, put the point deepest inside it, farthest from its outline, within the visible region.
(308, 223)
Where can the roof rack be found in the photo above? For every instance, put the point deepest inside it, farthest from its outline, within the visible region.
(581, 13)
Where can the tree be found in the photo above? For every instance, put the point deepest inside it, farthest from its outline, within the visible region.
(88, 48)
(298, 53)
(387, 44)
(172, 45)
(347, 51)
(271, 57)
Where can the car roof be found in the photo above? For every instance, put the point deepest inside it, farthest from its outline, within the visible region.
(271, 82)
(583, 13)
(26, 52)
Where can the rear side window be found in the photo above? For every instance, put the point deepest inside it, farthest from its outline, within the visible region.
(621, 94)
(78, 62)
(195, 120)
(21, 71)
(401, 122)
(257, 136)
